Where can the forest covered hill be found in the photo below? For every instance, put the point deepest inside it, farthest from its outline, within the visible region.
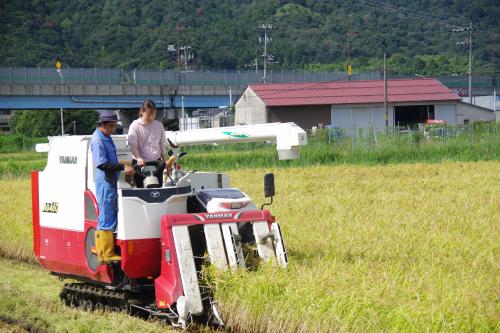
(223, 34)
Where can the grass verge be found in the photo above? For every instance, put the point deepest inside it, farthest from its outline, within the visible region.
(29, 298)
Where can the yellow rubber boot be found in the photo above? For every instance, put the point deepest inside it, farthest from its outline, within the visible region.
(108, 245)
(98, 247)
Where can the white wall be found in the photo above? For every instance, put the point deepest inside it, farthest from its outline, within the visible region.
(446, 112)
(473, 113)
(361, 117)
(484, 101)
(250, 109)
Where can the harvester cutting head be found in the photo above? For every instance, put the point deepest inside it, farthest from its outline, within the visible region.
(227, 240)
(223, 229)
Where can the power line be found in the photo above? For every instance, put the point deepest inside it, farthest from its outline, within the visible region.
(413, 14)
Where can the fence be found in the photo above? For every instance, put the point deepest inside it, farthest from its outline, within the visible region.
(206, 118)
(482, 85)
(400, 137)
(102, 76)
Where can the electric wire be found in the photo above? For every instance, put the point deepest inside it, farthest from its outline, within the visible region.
(413, 13)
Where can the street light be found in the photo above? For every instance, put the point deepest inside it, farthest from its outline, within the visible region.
(467, 43)
(59, 71)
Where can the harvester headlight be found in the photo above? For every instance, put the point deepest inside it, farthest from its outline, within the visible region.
(234, 205)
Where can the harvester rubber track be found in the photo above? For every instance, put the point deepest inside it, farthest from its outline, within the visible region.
(92, 297)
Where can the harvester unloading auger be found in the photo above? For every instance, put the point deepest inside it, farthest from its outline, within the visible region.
(165, 234)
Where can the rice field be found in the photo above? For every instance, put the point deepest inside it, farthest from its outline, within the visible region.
(395, 248)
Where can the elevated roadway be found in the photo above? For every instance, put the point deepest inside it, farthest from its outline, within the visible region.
(74, 96)
(92, 88)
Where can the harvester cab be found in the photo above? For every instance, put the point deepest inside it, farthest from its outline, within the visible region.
(166, 233)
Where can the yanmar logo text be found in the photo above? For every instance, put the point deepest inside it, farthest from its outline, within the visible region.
(218, 215)
(50, 207)
(68, 159)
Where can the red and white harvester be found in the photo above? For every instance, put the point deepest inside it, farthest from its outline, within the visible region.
(165, 234)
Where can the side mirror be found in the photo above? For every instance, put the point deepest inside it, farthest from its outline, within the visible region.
(269, 185)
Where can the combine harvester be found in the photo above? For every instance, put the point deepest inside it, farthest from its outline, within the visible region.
(166, 233)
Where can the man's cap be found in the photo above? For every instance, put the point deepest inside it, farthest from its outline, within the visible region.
(106, 116)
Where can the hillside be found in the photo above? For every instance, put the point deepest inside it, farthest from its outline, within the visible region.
(224, 34)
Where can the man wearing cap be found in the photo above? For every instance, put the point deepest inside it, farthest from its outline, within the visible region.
(106, 177)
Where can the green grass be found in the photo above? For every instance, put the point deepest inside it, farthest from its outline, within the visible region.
(21, 163)
(10, 143)
(479, 142)
(234, 157)
(318, 153)
(29, 296)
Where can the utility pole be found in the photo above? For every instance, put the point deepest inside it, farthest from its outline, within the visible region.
(264, 38)
(385, 95)
(59, 71)
(186, 55)
(62, 122)
(178, 29)
(494, 77)
(349, 68)
(467, 43)
(470, 63)
(177, 32)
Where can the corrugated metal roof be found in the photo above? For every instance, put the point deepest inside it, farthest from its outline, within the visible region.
(353, 92)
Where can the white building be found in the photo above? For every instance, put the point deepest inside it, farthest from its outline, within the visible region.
(358, 104)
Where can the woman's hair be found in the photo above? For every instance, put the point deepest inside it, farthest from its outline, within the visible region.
(147, 105)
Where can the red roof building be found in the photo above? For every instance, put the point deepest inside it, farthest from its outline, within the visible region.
(348, 103)
(352, 92)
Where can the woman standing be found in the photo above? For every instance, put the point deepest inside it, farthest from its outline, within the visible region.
(146, 138)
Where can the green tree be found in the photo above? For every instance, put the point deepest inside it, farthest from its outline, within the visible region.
(224, 34)
(38, 123)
